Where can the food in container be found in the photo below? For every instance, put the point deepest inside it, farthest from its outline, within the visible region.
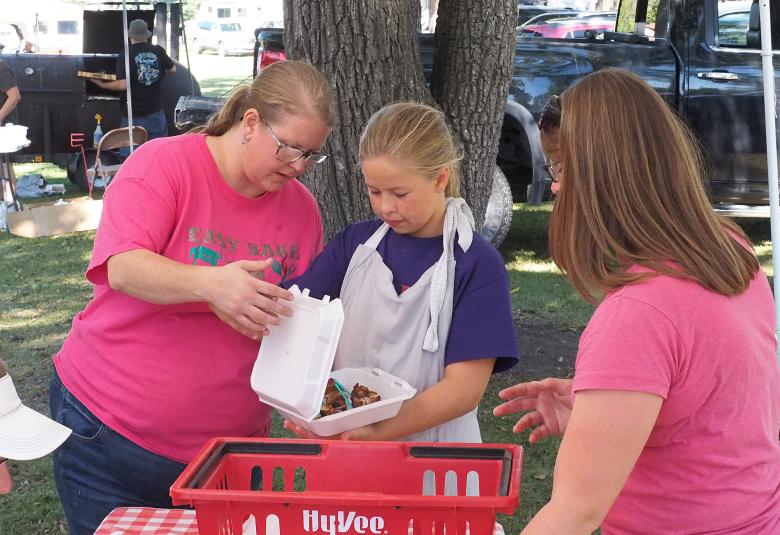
(294, 364)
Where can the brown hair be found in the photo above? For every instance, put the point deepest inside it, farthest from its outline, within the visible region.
(632, 193)
(416, 136)
(283, 88)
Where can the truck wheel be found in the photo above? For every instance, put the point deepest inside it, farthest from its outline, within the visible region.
(79, 175)
(498, 216)
(514, 158)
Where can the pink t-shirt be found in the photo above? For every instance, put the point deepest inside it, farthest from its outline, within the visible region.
(712, 461)
(168, 377)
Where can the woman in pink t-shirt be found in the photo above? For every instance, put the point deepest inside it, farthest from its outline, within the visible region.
(670, 424)
(196, 234)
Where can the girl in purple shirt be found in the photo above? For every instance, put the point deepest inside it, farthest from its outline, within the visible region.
(425, 297)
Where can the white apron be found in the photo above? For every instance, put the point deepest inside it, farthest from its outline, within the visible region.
(388, 331)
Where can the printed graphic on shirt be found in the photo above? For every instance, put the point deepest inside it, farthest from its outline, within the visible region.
(148, 68)
(209, 256)
(284, 269)
(215, 248)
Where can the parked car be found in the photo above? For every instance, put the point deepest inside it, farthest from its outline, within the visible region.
(225, 38)
(544, 17)
(570, 28)
(527, 12)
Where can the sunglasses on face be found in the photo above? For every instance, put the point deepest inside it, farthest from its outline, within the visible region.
(287, 154)
(553, 168)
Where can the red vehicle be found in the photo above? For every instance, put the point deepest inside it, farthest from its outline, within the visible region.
(569, 28)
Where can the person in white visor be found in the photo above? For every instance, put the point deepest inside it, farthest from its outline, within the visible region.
(25, 434)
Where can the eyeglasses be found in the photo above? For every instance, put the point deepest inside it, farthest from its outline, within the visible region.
(553, 168)
(288, 154)
(551, 113)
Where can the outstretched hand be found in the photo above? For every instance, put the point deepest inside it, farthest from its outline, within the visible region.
(249, 305)
(548, 403)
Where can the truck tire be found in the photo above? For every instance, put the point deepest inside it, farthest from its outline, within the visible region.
(514, 157)
(498, 215)
(78, 175)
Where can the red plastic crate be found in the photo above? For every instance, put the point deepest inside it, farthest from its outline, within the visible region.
(350, 487)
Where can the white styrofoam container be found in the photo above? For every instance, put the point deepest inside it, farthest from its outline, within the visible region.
(392, 390)
(294, 361)
(294, 364)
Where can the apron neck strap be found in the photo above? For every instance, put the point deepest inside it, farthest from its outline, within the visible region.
(376, 237)
(457, 219)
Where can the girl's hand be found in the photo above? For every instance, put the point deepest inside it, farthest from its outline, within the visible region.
(548, 402)
(367, 432)
(244, 302)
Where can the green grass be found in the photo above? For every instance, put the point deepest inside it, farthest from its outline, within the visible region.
(43, 286)
(220, 86)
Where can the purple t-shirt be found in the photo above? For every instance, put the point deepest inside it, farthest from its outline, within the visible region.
(482, 324)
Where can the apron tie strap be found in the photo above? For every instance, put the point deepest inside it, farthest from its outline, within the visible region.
(457, 219)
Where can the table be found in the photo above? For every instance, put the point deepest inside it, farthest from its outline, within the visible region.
(149, 521)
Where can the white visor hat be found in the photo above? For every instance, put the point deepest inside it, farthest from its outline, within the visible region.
(24, 433)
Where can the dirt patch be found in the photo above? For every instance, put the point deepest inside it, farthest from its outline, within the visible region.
(547, 349)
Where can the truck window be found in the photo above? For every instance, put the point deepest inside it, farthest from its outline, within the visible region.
(652, 23)
(738, 24)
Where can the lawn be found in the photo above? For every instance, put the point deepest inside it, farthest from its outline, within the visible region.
(43, 286)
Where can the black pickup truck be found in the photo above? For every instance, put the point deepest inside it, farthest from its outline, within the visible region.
(702, 56)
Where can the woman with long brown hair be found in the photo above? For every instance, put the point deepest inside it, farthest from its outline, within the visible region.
(670, 424)
(196, 234)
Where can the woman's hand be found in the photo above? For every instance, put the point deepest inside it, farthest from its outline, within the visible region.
(548, 402)
(243, 301)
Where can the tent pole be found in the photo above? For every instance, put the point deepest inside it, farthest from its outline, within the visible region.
(770, 117)
(127, 77)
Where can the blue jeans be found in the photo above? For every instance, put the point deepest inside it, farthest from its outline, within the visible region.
(97, 470)
(155, 124)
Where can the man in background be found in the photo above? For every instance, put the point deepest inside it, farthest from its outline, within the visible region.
(148, 65)
(9, 92)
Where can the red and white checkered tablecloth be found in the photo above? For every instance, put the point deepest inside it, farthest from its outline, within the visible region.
(148, 521)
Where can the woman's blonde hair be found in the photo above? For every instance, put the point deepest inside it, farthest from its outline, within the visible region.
(283, 88)
(632, 193)
(416, 136)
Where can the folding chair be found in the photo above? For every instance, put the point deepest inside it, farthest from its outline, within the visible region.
(114, 139)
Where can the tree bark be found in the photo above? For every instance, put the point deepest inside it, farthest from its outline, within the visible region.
(473, 63)
(369, 51)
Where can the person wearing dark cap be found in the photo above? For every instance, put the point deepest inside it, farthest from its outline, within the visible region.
(148, 65)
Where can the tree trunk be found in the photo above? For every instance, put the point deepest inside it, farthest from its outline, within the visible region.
(371, 58)
(369, 51)
(472, 67)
